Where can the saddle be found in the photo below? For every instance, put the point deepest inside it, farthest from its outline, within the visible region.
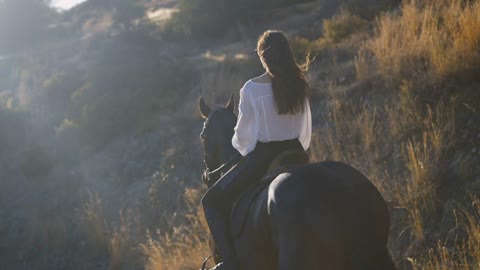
(281, 164)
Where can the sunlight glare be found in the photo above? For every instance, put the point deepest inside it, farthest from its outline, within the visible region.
(65, 4)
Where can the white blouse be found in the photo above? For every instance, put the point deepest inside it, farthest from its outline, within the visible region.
(258, 120)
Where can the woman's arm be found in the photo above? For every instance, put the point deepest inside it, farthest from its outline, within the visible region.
(245, 137)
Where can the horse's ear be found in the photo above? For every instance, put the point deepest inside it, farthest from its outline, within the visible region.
(204, 108)
(230, 104)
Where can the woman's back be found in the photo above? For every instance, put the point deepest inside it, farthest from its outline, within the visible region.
(275, 127)
(258, 108)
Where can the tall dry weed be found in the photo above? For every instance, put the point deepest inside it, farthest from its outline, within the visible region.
(464, 254)
(427, 40)
(402, 148)
(110, 239)
(403, 116)
(363, 65)
(185, 247)
(422, 156)
(356, 129)
(472, 245)
(400, 145)
(94, 223)
(352, 133)
(120, 240)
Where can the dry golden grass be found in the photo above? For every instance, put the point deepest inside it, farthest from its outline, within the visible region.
(402, 148)
(402, 145)
(417, 193)
(403, 115)
(353, 137)
(354, 134)
(462, 256)
(94, 223)
(114, 240)
(186, 246)
(120, 240)
(363, 65)
(398, 145)
(472, 246)
(184, 249)
(429, 39)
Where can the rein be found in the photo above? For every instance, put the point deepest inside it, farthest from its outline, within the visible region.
(208, 175)
(233, 159)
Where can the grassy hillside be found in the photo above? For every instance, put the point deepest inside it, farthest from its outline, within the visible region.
(396, 97)
(101, 159)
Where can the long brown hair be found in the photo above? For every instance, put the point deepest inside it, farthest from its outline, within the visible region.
(290, 89)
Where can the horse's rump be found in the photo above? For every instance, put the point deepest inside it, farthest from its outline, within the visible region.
(318, 216)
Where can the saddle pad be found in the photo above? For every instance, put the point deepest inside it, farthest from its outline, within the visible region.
(241, 208)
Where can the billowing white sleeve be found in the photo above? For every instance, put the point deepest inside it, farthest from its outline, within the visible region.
(306, 127)
(245, 136)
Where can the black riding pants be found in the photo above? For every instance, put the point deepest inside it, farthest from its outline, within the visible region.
(245, 174)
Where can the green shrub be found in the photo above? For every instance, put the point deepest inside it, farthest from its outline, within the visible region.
(211, 18)
(301, 47)
(368, 9)
(342, 25)
(306, 51)
(206, 17)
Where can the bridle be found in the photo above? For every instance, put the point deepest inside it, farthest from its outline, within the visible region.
(208, 174)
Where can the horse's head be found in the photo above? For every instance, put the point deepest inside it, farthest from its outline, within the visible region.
(216, 137)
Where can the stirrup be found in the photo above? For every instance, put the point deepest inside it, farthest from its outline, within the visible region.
(205, 262)
(219, 266)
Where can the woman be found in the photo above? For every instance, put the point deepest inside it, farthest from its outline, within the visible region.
(274, 116)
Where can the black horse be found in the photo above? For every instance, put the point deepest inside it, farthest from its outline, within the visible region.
(324, 216)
